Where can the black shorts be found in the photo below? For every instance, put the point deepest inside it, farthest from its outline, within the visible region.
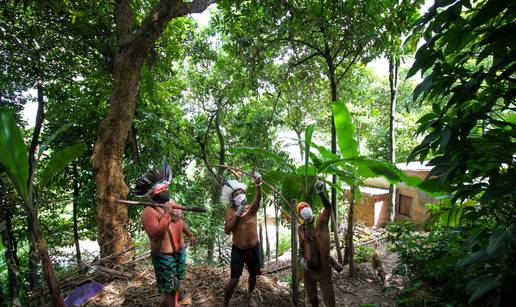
(251, 257)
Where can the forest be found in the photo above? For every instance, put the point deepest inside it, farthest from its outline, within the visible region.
(150, 148)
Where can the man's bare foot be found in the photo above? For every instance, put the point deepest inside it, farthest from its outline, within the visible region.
(186, 300)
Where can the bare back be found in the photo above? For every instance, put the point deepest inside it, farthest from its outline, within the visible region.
(321, 237)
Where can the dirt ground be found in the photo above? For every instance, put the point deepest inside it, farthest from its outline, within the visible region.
(205, 285)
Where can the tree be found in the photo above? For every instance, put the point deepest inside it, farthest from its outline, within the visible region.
(331, 36)
(133, 45)
(20, 169)
(404, 15)
(468, 61)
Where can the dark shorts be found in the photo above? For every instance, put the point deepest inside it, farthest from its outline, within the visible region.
(251, 257)
(169, 270)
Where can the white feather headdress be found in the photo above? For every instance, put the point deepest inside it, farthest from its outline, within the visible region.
(229, 187)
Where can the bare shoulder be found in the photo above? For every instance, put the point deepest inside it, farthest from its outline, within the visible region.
(148, 211)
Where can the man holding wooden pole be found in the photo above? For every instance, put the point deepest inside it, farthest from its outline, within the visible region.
(165, 227)
(314, 250)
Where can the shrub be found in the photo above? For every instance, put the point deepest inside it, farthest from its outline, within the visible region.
(363, 253)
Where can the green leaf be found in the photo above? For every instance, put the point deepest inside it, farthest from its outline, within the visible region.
(345, 131)
(369, 168)
(59, 161)
(482, 285)
(480, 255)
(499, 238)
(307, 170)
(325, 153)
(13, 153)
(308, 141)
(44, 146)
(259, 151)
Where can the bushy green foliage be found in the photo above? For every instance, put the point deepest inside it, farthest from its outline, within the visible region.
(440, 268)
(428, 260)
(363, 253)
(468, 61)
(284, 243)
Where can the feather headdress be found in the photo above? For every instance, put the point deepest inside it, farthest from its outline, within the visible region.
(229, 187)
(153, 182)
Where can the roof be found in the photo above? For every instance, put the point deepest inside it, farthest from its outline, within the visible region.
(370, 190)
(414, 166)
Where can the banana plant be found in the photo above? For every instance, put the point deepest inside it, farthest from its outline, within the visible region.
(14, 158)
(353, 169)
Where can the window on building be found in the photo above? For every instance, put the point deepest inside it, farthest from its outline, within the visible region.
(404, 204)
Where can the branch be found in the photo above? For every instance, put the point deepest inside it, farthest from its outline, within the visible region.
(155, 22)
(203, 152)
(344, 56)
(347, 68)
(303, 60)
(40, 117)
(222, 149)
(314, 47)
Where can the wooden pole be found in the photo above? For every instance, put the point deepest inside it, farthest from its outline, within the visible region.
(261, 240)
(277, 230)
(267, 245)
(294, 286)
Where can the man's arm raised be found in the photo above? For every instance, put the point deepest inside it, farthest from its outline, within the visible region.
(257, 179)
(324, 217)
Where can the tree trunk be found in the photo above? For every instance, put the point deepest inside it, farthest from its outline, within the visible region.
(276, 224)
(33, 258)
(5, 229)
(35, 233)
(393, 84)
(349, 235)
(299, 143)
(113, 235)
(260, 235)
(48, 270)
(133, 46)
(218, 178)
(267, 245)
(76, 191)
(334, 218)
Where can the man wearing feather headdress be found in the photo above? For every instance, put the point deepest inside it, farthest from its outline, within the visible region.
(165, 228)
(241, 222)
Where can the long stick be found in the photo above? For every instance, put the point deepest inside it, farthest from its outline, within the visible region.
(141, 203)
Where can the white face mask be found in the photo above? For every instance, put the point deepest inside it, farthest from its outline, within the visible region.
(306, 213)
(239, 199)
